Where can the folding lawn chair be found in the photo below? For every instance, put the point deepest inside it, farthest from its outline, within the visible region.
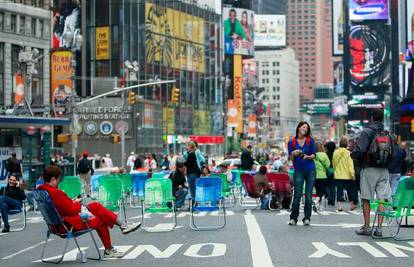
(111, 194)
(72, 186)
(280, 186)
(138, 189)
(250, 189)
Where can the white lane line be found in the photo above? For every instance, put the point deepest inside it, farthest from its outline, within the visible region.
(258, 246)
(24, 250)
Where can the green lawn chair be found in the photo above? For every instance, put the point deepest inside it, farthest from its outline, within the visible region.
(72, 186)
(227, 191)
(126, 179)
(111, 194)
(159, 175)
(400, 207)
(158, 199)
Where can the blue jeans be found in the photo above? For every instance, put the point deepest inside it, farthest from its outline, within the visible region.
(299, 178)
(6, 204)
(180, 195)
(192, 179)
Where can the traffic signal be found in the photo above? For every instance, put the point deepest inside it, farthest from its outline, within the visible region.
(412, 125)
(132, 98)
(116, 138)
(175, 95)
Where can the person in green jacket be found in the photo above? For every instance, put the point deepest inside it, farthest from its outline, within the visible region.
(322, 163)
(233, 27)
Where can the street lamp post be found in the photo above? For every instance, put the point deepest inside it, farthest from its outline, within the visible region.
(73, 41)
(31, 130)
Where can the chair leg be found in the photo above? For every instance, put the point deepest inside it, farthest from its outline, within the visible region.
(96, 247)
(24, 217)
(44, 250)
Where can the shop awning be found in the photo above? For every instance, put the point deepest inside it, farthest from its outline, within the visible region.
(22, 122)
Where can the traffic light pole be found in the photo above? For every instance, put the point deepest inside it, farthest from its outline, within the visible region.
(123, 133)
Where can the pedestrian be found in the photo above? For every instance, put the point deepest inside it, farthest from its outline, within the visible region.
(344, 174)
(194, 160)
(179, 184)
(130, 161)
(302, 152)
(85, 171)
(100, 218)
(13, 166)
(138, 165)
(223, 169)
(263, 187)
(277, 163)
(395, 166)
(103, 164)
(165, 165)
(11, 198)
(374, 178)
(246, 159)
(205, 171)
(330, 149)
(108, 161)
(150, 163)
(322, 164)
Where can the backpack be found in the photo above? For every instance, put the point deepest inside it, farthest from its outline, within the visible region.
(294, 141)
(84, 166)
(381, 150)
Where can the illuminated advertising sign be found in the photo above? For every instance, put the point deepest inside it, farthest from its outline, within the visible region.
(61, 76)
(238, 91)
(66, 18)
(102, 41)
(370, 56)
(368, 10)
(338, 27)
(339, 77)
(270, 30)
(238, 31)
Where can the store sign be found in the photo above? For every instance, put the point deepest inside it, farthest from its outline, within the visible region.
(238, 91)
(238, 31)
(61, 77)
(270, 30)
(102, 41)
(360, 10)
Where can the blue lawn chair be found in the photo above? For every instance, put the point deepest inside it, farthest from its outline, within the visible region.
(138, 189)
(95, 186)
(208, 197)
(57, 227)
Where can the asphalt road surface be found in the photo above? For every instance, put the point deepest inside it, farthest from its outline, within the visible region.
(251, 237)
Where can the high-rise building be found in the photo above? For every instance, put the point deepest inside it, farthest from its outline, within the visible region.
(309, 25)
(270, 7)
(278, 74)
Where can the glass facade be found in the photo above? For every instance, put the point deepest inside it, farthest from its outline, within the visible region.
(169, 40)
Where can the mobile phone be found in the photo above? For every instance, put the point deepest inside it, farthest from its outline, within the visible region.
(301, 154)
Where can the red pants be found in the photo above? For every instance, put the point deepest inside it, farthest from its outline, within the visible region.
(103, 220)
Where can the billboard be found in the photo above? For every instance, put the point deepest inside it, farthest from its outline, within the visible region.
(60, 76)
(410, 20)
(360, 10)
(270, 30)
(174, 39)
(339, 77)
(66, 18)
(338, 27)
(369, 56)
(238, 31)
(102, 41)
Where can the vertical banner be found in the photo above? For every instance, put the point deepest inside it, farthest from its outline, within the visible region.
(252, 122)
(238, 90)
(18, 88)
(61, 76)
(102, 43)
(231, 113)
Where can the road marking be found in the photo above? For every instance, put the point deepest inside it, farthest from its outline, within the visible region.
(69, 256)
(367, 247)
(154, 251)
(24, 250)
(218, 250)
(323, 250)
(395, 249)
(122, 249)
(258, 246)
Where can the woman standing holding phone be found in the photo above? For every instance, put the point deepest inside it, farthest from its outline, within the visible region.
(302, 152)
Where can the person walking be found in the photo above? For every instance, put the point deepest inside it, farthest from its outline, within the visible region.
(374, 178)
(394, 168)
(246, 159)
(11, 197)
(344, 174)
(322, 164)
(194, 160)
(130, 162)
(85, 171)
(13, 166)
(179, 184)
(330, 187)
(302, 152)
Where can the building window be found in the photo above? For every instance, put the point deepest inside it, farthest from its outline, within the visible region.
(1, 21)
(33, 27)
(40, 27)
(13, 23)
(274, 97)
(22, 20)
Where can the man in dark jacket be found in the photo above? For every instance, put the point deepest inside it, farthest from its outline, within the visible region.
(394, 168)
(85, 171)
(179, 184)
(13, 166)
(246, 159)
(374, 180)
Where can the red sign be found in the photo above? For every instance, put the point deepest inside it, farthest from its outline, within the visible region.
(207, 139)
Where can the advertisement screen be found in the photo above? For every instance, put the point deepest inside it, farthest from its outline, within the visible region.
(339, 77)
(238, 31)
(338, 27)
(410, 20)
(66, 18)
(370, 56)
(368, 10)
(270, 30)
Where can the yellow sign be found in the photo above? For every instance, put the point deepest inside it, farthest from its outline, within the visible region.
(238, 90)
(60, 76)
(168, 120)
(175, 39)
(102, 41)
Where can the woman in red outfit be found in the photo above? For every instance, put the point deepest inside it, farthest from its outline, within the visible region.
(101, 219)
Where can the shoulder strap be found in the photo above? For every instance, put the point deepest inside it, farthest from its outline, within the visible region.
(307, 140)
(294, 142)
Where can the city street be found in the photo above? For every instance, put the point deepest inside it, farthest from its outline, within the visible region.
(250, 238)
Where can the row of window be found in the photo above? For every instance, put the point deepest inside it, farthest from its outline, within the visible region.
(266, 72)
(267, 80)
(274, 64)
(24, 25)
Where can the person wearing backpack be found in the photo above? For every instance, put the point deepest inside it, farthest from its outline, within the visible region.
(302, 152)
(85, 171)
(374, 151)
